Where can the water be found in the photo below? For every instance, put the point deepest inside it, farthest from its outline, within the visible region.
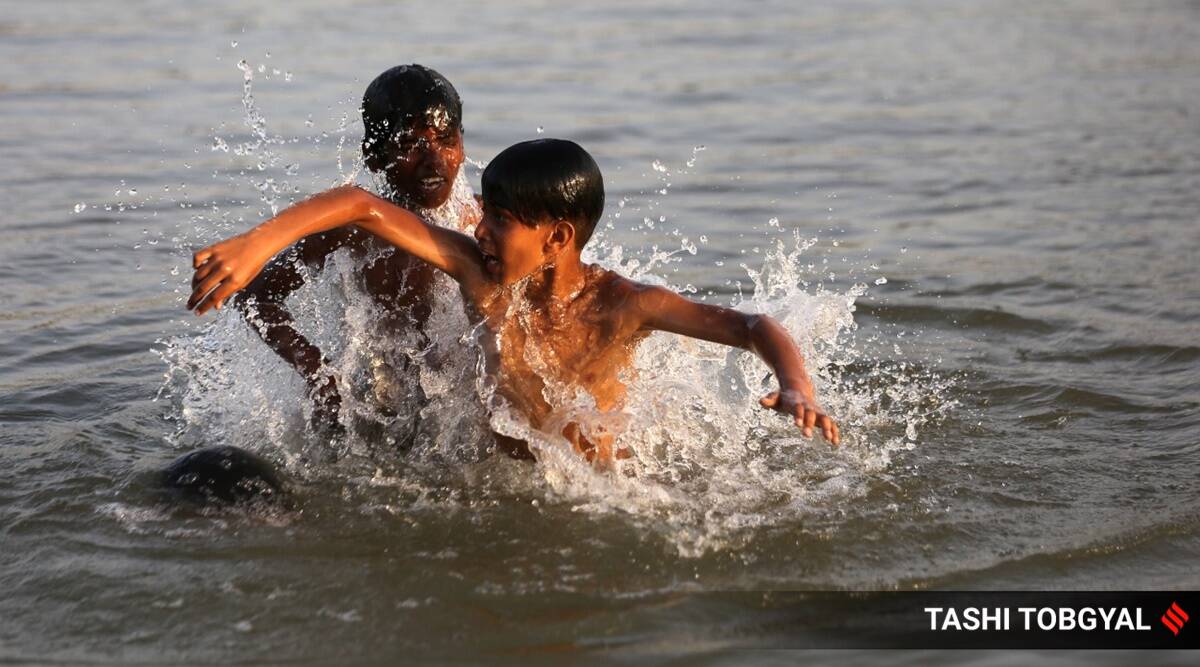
(1002, 198)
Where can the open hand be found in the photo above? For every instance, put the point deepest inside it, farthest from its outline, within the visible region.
(805, 411)
(222, 269)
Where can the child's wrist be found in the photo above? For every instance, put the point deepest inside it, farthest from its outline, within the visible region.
(797, 384)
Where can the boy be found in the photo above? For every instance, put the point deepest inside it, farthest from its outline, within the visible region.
(413, 121)
(551, 321)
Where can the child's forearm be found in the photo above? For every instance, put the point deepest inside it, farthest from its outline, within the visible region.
(328, 210)
(770, 341)
(275, 326)
(226, 267)
(795, 396)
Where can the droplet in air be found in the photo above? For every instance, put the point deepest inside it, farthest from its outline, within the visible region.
(774, 222)
(233, 44)
(658, 166)
(79, 207)
(881, 280)
(540, 129)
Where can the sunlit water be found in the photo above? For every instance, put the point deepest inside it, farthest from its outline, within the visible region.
(978, 220)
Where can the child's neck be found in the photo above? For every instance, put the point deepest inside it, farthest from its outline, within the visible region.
(557, 283)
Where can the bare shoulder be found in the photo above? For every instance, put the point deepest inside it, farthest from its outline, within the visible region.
(619, 292)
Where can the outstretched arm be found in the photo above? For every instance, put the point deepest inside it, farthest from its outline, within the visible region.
(228, 266)
(664, 310)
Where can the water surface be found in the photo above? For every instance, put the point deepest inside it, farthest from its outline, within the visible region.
(1022, 384)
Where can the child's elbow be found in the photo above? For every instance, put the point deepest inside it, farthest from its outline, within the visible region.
(759, 329)
(756, 322)
(357, 201)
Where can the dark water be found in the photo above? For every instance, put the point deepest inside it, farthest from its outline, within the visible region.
(1026, 177)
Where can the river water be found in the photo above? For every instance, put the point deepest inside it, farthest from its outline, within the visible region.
(979, 217)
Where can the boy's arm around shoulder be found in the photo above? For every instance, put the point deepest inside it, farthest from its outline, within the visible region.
(663, 310)
(226, 267)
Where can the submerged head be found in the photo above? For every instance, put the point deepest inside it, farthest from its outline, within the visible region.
(413, 122)
(541, 202)
(227, 474)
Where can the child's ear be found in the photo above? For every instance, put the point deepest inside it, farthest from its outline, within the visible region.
(562, 235)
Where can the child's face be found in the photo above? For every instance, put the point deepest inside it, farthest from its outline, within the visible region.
(511, 249)
(420, 161)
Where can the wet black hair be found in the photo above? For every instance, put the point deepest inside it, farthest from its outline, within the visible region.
(404, 94)
(547, 179)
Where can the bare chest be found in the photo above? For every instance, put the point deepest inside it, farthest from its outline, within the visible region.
(543, 355)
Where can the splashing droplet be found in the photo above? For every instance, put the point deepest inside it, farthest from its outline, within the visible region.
(881, 280)
(79, 207)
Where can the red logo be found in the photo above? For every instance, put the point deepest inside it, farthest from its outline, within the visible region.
(1174, 618)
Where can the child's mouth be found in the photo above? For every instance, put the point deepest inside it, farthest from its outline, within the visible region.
(491, 263)
(432, 182)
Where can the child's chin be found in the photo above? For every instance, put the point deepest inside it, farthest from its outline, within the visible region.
(427, 198)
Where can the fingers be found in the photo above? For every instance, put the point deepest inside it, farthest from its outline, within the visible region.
(226, 290)
(200, 302)
(201, 257)
(805, 417)
(204, 270)
(828, 429)
(207, 285)
(810, 420)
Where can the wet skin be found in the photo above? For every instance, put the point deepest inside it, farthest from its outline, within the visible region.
(554, 322)
(420, 164)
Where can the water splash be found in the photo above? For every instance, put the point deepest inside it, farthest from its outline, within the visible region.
(709, 466)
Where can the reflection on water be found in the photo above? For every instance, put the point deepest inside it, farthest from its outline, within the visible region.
(1000, 299)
